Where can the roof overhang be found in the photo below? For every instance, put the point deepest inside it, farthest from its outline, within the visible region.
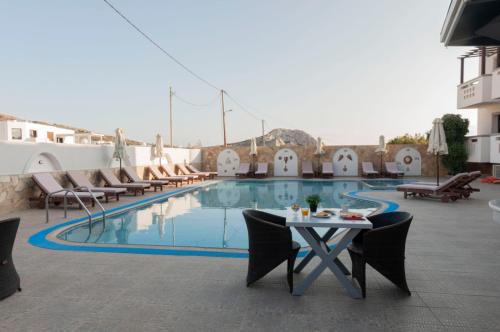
(472, 23)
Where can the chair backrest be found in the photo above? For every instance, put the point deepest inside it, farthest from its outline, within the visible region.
(193, 169)
(387, 239)
(244, 168)
(307, 166)
(327, 167)
(261, 168)
(155, 172)
(267, 231)
(168, 170)
(391, 167)
(8, 231)
(183, 169)
(79, 179)
(47, 183)
(475, 175)
(458, 180)
(367, 166)
(131, 174)
(109, 176)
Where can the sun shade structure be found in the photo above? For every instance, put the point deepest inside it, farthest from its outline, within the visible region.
(159, 151)
(120, 146)
(437, 143)
(472, 23)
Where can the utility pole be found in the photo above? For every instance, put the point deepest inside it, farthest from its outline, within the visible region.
(170, 102)
(223, 116)
(263, 142)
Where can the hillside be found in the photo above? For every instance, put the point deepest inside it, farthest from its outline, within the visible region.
(281, 136)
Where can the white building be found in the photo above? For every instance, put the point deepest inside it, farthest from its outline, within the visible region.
(26, 131)
(477, 24)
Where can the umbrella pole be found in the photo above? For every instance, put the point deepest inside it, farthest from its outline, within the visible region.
(120, 168)
(381, 157)
(437, 164)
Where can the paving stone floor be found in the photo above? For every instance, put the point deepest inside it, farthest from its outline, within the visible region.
(453, 270)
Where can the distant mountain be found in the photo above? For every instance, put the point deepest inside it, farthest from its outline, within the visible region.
(281, 136)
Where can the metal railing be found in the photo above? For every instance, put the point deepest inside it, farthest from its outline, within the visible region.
(77, 198)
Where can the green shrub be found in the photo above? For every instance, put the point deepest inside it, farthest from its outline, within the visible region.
(455, 128)
(409, 139)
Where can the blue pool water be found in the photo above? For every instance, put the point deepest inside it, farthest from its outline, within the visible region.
(210, 216)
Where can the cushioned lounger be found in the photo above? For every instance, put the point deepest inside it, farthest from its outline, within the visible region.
(47, 185)
(78, 179)
(167, 170)
(134, 178)
(307, 169)
(392, 169)
(327, 169)
(262, 170)
(185, 171)
(244, 169)
(111, 180)
(194, 170)
(445, 191)
(157, 175)
(368, 169)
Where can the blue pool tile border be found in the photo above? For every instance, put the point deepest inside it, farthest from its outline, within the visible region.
(40, 240)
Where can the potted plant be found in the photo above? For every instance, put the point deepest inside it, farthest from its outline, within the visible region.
(313, 201)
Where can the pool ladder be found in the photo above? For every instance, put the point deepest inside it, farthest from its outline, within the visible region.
(65, 200)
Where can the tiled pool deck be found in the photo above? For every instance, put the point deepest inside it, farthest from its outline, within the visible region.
(453, 270)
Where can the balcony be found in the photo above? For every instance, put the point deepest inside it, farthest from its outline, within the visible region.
(495, 84)
(475, 92)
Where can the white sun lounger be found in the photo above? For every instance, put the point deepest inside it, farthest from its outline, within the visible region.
(78, 179)
(368, 169)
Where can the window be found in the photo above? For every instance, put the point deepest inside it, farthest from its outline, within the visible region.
(60, 139)
(50, 136)
(17, 133)
(33, 133)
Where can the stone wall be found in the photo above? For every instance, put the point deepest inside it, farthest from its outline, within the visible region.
(365, 153)
(17, 190)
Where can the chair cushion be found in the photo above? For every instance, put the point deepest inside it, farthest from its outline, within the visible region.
(295, 245)
(356, 248)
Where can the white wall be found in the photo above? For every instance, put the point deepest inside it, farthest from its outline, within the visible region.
(478, 149)
(495, 149)
(25, 157)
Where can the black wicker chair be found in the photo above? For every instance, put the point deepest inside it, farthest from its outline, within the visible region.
(383, 248)
(270, 244)
(9, 279)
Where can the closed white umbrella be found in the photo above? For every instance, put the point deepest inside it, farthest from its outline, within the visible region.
(437, 143)
(381, 150)
(120, 147)
(253, 147)
(319, 147)
(159, 151)
(319, 152)
(253, 150)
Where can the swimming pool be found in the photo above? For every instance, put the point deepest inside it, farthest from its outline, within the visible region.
(385, 184)
(210, 216)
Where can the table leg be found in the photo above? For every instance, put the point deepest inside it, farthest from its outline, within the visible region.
(327, 261)
(310, 255)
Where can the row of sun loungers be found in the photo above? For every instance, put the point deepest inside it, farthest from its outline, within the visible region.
(86, 191)
(452, 189)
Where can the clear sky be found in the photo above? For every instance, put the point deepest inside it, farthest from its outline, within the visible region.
(347, 71)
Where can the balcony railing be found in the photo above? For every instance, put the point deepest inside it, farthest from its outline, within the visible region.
(474, 92)
(495, 84)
